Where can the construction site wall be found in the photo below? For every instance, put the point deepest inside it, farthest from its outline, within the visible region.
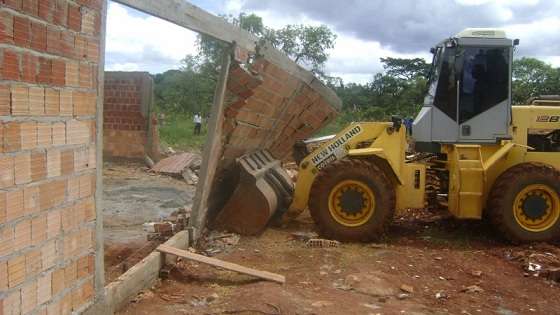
(126, 112)
(49, 56)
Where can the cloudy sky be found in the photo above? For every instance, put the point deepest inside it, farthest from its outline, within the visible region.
(367, 30)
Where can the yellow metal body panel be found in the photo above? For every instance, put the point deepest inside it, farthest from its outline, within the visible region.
(473, 169)
(363, 140)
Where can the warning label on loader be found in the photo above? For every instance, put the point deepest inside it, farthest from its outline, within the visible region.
(335, 150)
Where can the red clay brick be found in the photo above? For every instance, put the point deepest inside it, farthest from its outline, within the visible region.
(14, 4)
(38, 36)
(66, 103)
(38, 165)
(58, 72)
(73, 187)
(52, 194)
(53, 163)
(14, 205)
(53, 223)
(69, 272)
(29, 68)
(33, 263)
(31, 200)
(31, 7)
(3, 207)
(12, 137)
(67, 162)
(36, 101)
(6, 27)
(52, 102)
(59, 133)
(22, 235)
(93, 51)
(88, 22)
(22, 168)
(80, 45)
(85, 76)
(45, 70)
(86, 186)
(53, 40)
(72, 73)
(46, 10)
(28, 135)
(10, 66)
(67, 44)
(57, 281)
(74, 17)
(6, 240)
(22, 31)
(44, 135)
(20, 100)
(12, 303)
(44, 285)
(49, 255)
(7, 177)
(16, 271)
(77, 132)
(39, 230)
(29, 297)
(5, 100)
(3, 276)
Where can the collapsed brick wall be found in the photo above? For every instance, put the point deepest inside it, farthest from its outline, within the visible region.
(126, 109)
(270, 109)
(49, 55)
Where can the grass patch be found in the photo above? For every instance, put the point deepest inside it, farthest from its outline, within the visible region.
(177, 131)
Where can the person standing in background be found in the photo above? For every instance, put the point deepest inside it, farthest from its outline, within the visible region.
(197, 123)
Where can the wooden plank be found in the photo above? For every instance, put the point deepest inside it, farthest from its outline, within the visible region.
(184, 14)
(222, 264)
(212, 151)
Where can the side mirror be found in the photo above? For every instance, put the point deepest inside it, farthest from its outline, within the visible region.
(432, 50)
(516, 42)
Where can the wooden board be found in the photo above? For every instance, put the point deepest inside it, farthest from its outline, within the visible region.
(222, 264)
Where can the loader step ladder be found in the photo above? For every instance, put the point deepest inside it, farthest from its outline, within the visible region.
(466, 191)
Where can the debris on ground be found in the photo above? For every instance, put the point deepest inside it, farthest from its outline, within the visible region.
(321, 243)
(186, 165)
(219, 242)
(304, 236)
(441, 295)
(473, 289)
(163, 230)
(539, 260)
(407, 288)
(198, 301)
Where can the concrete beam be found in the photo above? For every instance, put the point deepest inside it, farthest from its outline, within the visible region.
(212, 151)
(195, 19)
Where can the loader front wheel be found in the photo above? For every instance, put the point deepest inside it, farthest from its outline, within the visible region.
(352, 200)
(525, 203)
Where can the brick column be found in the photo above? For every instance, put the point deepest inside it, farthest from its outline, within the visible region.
(49, 56)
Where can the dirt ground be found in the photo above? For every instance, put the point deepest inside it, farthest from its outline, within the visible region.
(428, 264)
(131, 197)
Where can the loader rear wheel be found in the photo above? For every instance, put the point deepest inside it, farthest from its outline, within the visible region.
(352, 200)
(525, 203)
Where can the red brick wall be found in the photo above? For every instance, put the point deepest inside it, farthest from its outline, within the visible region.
(126, 107)
(49, 55)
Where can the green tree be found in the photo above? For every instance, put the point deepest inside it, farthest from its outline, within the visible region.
(306, 45)
(406, 69)
(533, 77)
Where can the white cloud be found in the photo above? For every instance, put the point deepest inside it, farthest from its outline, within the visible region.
(135, 35)
(137, 42)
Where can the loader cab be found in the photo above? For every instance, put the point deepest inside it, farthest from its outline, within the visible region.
(469, 91)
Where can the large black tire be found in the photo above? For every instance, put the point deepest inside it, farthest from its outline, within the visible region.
(507, 187)
(365, 172)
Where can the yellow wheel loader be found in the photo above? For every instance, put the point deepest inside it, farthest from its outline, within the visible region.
(483, 156)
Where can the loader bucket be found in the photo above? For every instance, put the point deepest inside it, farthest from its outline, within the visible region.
(264, 191)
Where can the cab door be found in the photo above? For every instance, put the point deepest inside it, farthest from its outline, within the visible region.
(484, 102)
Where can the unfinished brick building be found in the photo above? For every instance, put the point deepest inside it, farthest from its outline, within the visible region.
(126, 110)
(49, 56)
